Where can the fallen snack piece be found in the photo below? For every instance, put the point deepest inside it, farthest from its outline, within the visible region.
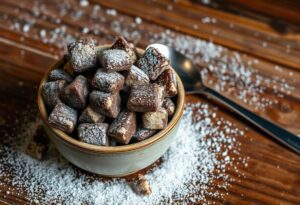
(123, 127)
(142, 134)
(142, 186)
(168, 80)
(37, 147)
(63, 118)
(108, 82)
(83, 55)
(153, 63)
(50, 92)
(145, 98)
(75, 93)
(155, 120)
(59, 74)
(36, 150)
(169, 106)
(108, 104)
(90, 116)
(122, 44)
(93, 133)
(115, 60)
(136, 76)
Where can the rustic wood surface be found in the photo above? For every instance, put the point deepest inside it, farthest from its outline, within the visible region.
(273, 172)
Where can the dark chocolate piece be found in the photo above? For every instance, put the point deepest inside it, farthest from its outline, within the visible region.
(93, 133)
(122, 44)
(63, 118)
(155, 120)
(90, 116)
(75, 94)
(142, 134)
(83, 55)
(115, 60)
(108, 82)
(169, 106)
(145, 98)
(136, 76)
(153, 63)
(168, 80)
(106, 103)
(123, 127)
(51, 92)
(141, 186)
(58, 74)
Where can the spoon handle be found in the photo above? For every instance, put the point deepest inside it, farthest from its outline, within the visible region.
(289, 139)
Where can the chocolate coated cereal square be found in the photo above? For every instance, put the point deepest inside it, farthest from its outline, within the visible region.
(153, 63)
(93, 133)
(155, 120)
(136, 76)
(169, 106)
(108, 82)
(90, 116)
(142, 134)
(83, 55)
(75, 93)
(63, 118)
(122, 44)
(108, 104)
(58, 74)
(51, 92)
(168, 80)
(123, 127)
(145, 98)
(115, 60)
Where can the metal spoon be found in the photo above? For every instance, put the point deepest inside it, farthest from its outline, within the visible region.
(193, 84)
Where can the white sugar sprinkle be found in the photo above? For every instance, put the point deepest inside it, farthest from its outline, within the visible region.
(198, 156)
(138, 20)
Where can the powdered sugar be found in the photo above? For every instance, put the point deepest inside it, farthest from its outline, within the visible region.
(198, 157)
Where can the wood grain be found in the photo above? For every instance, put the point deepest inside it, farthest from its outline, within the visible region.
(273, 172)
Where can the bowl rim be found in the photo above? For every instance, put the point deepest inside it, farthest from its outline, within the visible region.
(111, 149)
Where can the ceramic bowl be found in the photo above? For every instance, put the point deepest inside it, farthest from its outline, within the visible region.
(119, 160)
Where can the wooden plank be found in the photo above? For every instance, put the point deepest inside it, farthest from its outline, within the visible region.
(273, 174)
(279, 10)
(228, 30)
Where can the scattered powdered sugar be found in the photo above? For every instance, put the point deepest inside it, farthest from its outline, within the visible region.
(204, 149)
(223, 73)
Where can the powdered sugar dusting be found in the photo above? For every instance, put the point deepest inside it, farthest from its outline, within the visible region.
(198, 157)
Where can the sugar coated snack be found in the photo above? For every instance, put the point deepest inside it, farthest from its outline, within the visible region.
(83, 55)
(90, 116)
(168, 80)
(51, 92)
(108, 82)
(122, 44)
(110, 96)
(115, 60)
(123, 127)
(93, 133)
(63, 118)
(108, 104)
(145, 98)
(153, 63)
(75, 93)
(157, 120)
(136, 76)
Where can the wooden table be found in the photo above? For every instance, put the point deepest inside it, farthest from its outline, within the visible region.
(258, 31)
